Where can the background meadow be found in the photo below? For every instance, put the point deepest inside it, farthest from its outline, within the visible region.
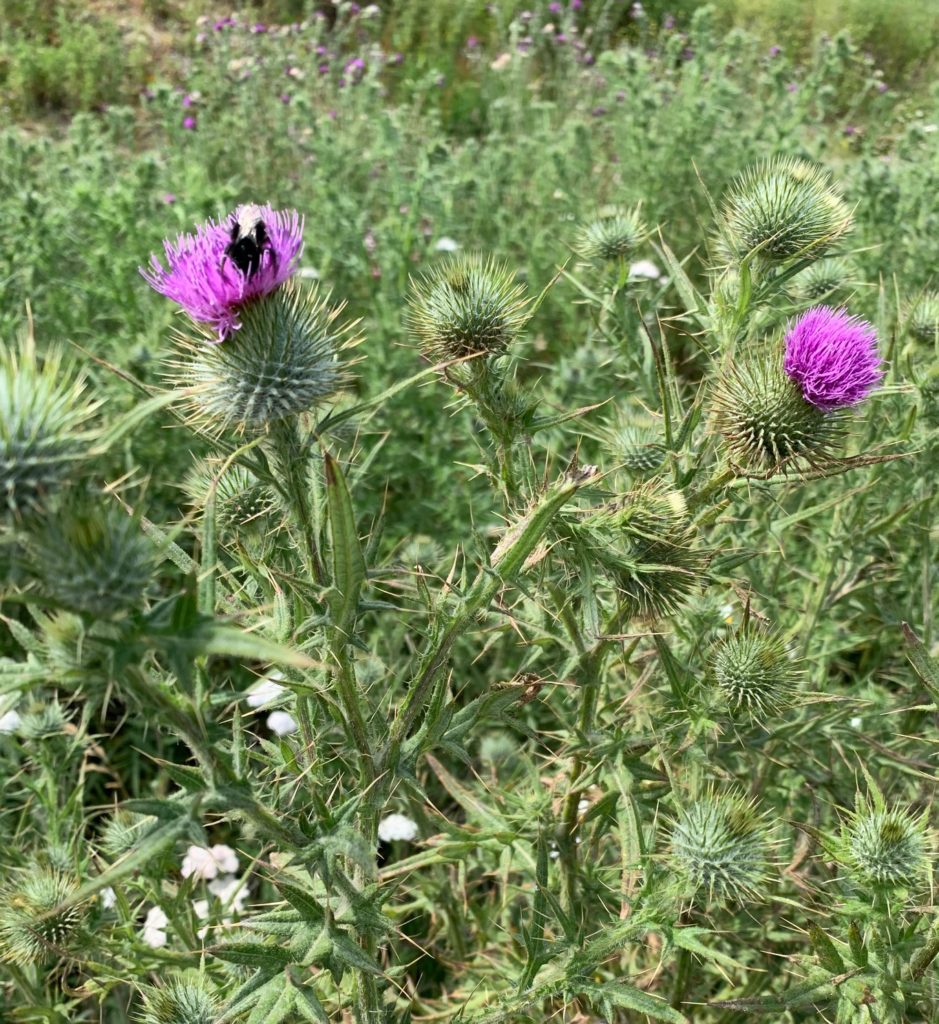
(467, 660)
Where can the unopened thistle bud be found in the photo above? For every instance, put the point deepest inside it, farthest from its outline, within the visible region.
(782, 209)
(122, 832)
(44, 413)
(721, 849)
(754, 672)
(884, 847)
(91, 559)
(778, 410)
(184, 1000)
(645, 542)
(34, 929)
(923, 318)
(240, 499)
(613, 233)
(638, 450)
(282, 361)
(823, 279)
(466, 306)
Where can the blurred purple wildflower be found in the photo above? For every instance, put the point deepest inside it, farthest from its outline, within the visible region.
(792, 87)
(576, 5)
(554, 7)
(850, 129)
(882, 87)
(189, 123)
(669, 22)
(208, 284)
(833, 357)
(775, 51)
(187, 100)
(169, 198)
(258, 27)
(472, 42)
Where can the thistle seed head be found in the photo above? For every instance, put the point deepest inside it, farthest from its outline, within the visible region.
(639, 450)
(283, 361)
(923, 318)
(91, 559)
(44, 413)
(754, 672)
(721, 848)
(466, 306)
(34, 929)
(613, 233)
(885, 847)
(766, 422)
(782, 209)
(182, 1000)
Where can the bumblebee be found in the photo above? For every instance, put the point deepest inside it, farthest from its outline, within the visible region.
(248, 241)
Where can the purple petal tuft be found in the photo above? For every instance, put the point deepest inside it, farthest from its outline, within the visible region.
(209, 286)
(833, 357)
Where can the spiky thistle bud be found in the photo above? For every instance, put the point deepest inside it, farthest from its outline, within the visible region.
(884, 847)
(613, 233)
(466, 306)
(646, 544)
(44, 722)
(923, 318)
(767, 423)
(44, 416)
(240, 499)
(34, 928)
(825, 278)
(636, 449)
(721, 849)
(781, 209)
(183, 1000)
(122, 832)
(283, 360)
(754, 672)
(91, 559)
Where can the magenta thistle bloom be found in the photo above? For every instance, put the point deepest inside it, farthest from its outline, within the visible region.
(833, 357)
(209, 282)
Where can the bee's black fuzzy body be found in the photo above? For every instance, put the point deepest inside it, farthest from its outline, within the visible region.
(248, 241)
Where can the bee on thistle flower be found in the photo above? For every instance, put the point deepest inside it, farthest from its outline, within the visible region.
(214, 273)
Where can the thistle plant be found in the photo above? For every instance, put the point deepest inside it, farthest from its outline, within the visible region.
(883, 847)
(755, 672)
(923, 318)
(613, 234)
(784, 209)
(182, 1000)
(34, 927)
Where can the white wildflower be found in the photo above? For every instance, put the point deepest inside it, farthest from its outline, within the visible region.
(281, 724)
(447, 244)
(230, 890)
(397, 827)
(108, 897)
(154, 928)
(9, 722)
(644, 270)
(201, 909)
(856, 722)
(201, 862)
(266, 690)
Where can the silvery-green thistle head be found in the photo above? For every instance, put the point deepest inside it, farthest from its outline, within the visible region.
(825, 279)
(467, 307)
(45, 436)
(923, 318)
(34, 926)
(186, 999)
(884, 848)
(783, 209)
(285, 359)
(721, 850)
(783, 409)
(611, 235)
(754, 672)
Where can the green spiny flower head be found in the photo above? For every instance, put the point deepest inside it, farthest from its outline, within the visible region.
(44, 442)
(182, 1000)
(637, 449)
(766, 422)
(645, 542)
(782, 209)
(824, 279)
(923, 318)
(122, 832)
(240, 499)
(91, 558)
(884, 847)
(34, 928)
(721, 848)
(466, 306)
(613, 233)
(754, 672)
(45, 722)
(283, 361)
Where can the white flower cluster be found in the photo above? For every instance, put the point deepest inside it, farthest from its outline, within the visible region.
(265, 692)
(397, 828)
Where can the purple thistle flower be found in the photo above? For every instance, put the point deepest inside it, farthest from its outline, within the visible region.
(775, 51)
(882, 87)
(554, 7)
(792, 87)
(833, 358)
(189, 123)
(208, 284)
